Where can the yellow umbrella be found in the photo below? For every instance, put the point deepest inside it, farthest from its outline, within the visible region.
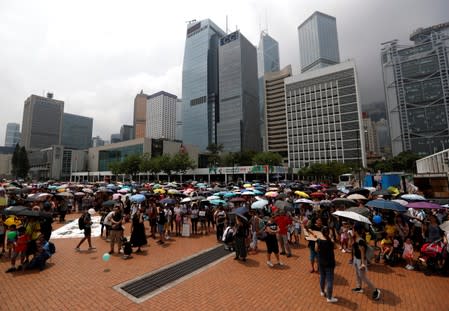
(247, 186)
(12, 220)
(393, 190)
(159, 191)
(302, 194)
(172, 191)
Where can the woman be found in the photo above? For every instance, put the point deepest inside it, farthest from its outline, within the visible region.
(402, 227)
(326, 262)
(138, 237)
(241, 232)
(178, 219)
(432, 231)
(359, 252)
(314, 225)
(271, 241)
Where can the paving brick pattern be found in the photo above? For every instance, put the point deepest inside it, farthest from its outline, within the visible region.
(83, 281)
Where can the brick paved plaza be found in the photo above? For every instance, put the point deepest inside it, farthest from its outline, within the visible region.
(83, 281)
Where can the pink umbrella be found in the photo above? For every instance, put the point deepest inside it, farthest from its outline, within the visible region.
(424, 205)
(271, 194)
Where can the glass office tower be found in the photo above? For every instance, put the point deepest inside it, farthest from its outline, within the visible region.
(76, 131)
(200, 83)
(318, 42)
(238, 126)
(267, 61)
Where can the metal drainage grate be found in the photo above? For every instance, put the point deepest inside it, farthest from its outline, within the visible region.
(150, 285)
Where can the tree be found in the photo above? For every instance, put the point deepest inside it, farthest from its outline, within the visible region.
(214, 151)
(116, 168)
(166, 164)
(329, 171)
(15, 163)
(181, 162)
(268, 158)
(131, 164)
(404, 161)
(24, 163)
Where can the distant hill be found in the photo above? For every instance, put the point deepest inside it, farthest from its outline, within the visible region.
(376, 111)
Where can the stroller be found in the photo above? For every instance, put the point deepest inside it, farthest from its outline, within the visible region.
(127, 248)
(431, 256)
(228, 239)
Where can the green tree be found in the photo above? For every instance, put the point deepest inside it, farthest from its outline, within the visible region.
(24, 163)
(15, 163)
(323, 171)
(131, 164)
(267, 158)
(166, 164)
(181, 162)
(213, 154)
(116, 168)
(404, 161)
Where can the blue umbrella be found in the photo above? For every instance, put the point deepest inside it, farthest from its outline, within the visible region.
(386, 204)
(138, 198)
(229, 194)
(258, 192)
(218, 202)
(168, 201)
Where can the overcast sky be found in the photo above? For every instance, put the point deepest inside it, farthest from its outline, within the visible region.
(97, 55)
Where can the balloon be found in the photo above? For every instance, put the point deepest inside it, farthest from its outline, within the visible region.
(106, 257)
(11, 235)
(377, 219)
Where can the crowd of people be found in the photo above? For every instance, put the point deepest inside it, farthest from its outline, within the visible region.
(244, 215)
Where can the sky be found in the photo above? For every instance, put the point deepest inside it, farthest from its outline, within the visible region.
(97, 55)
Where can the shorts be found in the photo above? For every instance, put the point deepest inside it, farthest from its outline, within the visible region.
(160, 228)
(87, 232)
(407, 256)
(115, 236)
(313, 255)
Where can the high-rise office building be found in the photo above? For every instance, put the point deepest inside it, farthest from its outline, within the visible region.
(371, 139)
(275, 117)
(97, 141)
(324, 117)
(115, 138)
(179, 123)
(416, 84)
(238, 126)
(12, 136)
(161, 116)
(318, 42)
(267, 61)
(140, 114)
(76, 131)
(200, 83)
(126, 132)
(42, 122)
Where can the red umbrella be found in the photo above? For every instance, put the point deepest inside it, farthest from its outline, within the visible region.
(236, 200)
(317, 195)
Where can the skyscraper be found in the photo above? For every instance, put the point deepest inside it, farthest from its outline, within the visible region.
(76, 131)
(161, 116)
(12, 136)
(179, 122)
(126, 132)
(115, 138)
(416, 84)
(238, 126)
(275, 113)
(200, 83)
(318, 42)
(267, 61)
(42, 122)
(140, 114)
(324, 117)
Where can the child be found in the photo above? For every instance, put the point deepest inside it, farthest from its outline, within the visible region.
(297, 229)
(386, 246)
(11, 237)
(20, 246)
(2, 235)
(344, 237)
(408, 254)
(127, 248)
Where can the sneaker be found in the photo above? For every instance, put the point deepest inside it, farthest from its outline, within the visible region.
(357, 290)
(332, 300)
(111, 252)
(343, 251)
(77, 249)
(410, 267)
(376, 294)
(289, 255)
(92, 248)
(322, 294)
(12, 269)
(280, 263)
(270, 264)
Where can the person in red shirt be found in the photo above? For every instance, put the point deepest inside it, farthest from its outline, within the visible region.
(20, 246)
(283, 222)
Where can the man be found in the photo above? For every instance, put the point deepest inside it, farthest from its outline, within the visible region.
(3, 199)
(87, 230)
(283, 222)
(116, 232)
(220, 218)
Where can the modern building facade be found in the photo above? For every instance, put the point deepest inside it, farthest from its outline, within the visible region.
(12, 136)
(126, 132)
(238, 127)
(115, 138)
(161, 116)
(416, 83)
(42, 122)
(76, 131)
(324, 117)
(371, 140)
(267, 61)
(200, 83)
(318, 42)
(275, 112)
(179, 122)
(140, 114)
(97, 141)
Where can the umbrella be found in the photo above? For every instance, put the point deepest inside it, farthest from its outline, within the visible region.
(318, 195)
(137, 198)
(87, 190)
(240, 212)
(402, 202)
(247, 186)
(185, 200)
(344, 201)
(236, 200)
(159, 191)
(381, 192)
(64, 194)
(304, 201)
(302, 194)
(173, 191)
(229, 194)
(168, 201)
(387, 204)
(356, 196)
(213, 197)
(427, 205)
(362, 191)
(109, 203)
(445, 226)
(249, 192)
(325, 202)
(282, 204)
(271, 194)
(79, 194)
(218, 202)
(259, 204)
(352, 215)
(413, 197)
(123, 190)
(116, 196)
(360, 210)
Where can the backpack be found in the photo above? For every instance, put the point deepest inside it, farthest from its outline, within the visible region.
(81, 223)
(50, 248)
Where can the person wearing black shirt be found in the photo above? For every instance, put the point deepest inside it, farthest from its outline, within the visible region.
(240, 237)
(326, 262)
(359, 253)
(313, 225)
(272, 230)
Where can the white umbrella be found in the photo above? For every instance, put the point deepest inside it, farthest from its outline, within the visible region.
(87, 190)
(353, 216)
(413, 197)
(185, 200)
(307, 201)
(356, 196)
(213, 197)
(259, 204)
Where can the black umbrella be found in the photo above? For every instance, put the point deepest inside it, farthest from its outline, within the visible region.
(381, 192)
(344, 201)
(24, 211)
(109, 203)
(360, 210)
(362, 191)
